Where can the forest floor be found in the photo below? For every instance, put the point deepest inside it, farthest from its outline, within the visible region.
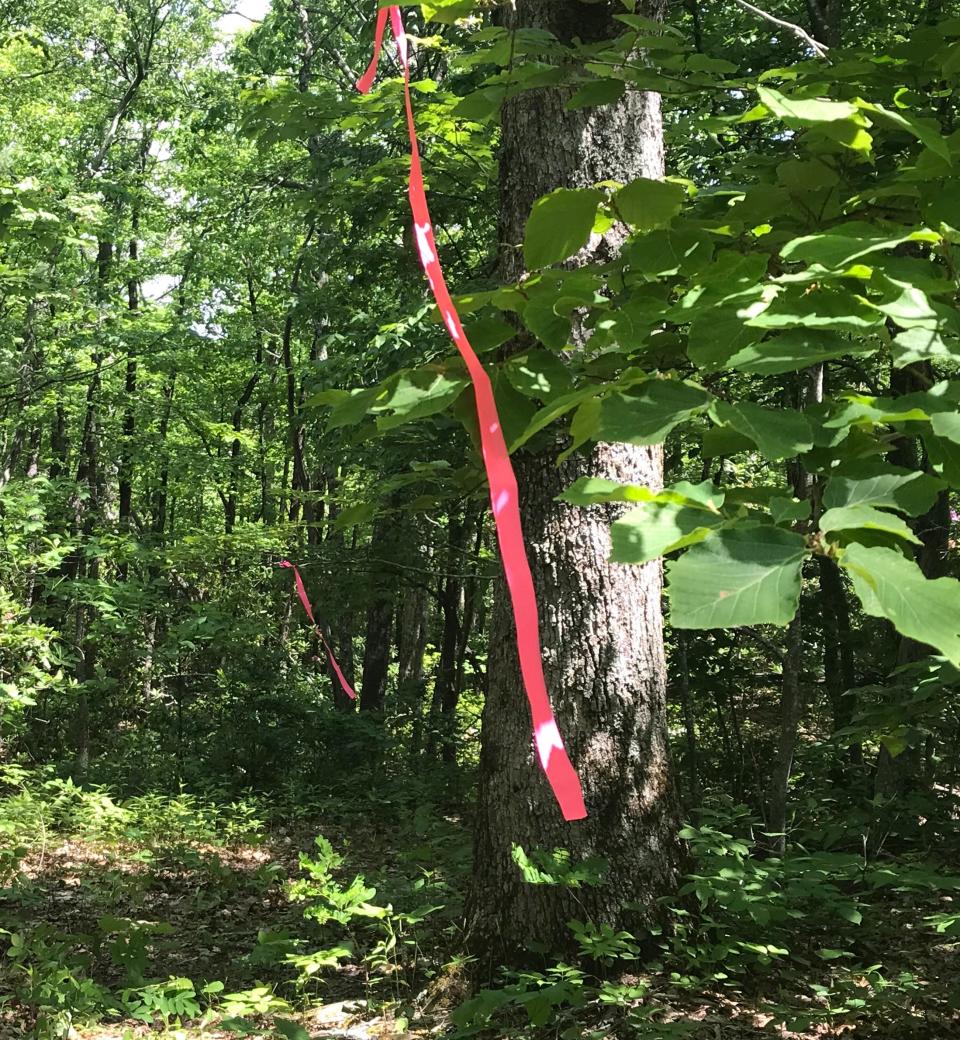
(129, 917)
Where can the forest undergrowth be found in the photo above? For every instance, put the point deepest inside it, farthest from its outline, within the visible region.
(338, 913)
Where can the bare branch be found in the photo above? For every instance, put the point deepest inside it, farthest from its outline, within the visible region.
(820, 49)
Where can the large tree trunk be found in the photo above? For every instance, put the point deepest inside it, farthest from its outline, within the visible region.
(600, 624)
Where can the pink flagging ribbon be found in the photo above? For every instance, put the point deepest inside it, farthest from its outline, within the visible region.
(503, 483)
(305, 600)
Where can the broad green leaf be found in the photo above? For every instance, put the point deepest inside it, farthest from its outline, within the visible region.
(705, 494)
(865, 410)
(669, 251)
(480, 105)
(944, 458)
(947, 425)
(718, 336)
(745, 575)
(515, 409)
(908, 492)
(794, 349)
(354, 515)
(655, 528)
(591, 491)
(559, 225)
(922, 344)
(598, 92)
(550, 328)
(805, 110)
(558, 407)
(487, 333)
(839, 247)
(647, 204)
(583, 426)
(588, 491)
(893, 587)
(704, 63)
(289, 1029)
(779, 433)
(350, 410)
(724, 441)
(648, 414)
(911, 308)
(416, 394)
(927, 131)
(539, 374)
(826, 307)
(447, 11)
(789, 510)
(850, 518)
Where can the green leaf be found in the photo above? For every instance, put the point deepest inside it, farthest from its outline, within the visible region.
(597, 92)
(290, 1030)
(893, 587)
(591, 491)
(908, 492)
(718, 336)
(559, 225)
(416, 394)
(647, 204)
(947, 425)
(648, 414)
(556, 408)
(795, 349)
(839, 247)
(539, 374)
(352, 409)
(745, 575)
(515, 409)
(922, 344)
(481, 105)
(848, 518)
(724, 441)
(823, 308)
(669, 251)
(487, 333)
(789, 510)
(779, 433)
(926, 131)
(656, 528)
(801, 111)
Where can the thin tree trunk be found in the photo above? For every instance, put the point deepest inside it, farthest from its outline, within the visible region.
(445, 691)
(376, 651)
(689, 719)
(839, 662)
(791, 709)
(791, 694)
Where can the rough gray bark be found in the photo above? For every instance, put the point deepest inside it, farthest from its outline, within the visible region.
(600, 624)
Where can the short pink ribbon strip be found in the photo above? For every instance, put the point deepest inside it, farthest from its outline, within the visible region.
(503, 483)
(305, 600)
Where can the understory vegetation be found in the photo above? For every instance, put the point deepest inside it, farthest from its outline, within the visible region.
(340, 908)
(708, 256)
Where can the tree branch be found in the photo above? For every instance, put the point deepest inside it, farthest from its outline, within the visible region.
(820, 49)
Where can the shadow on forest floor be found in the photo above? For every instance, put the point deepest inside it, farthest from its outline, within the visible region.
(209, 904)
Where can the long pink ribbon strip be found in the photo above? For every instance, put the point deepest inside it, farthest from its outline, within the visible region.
(503, 483)
(305, 600)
